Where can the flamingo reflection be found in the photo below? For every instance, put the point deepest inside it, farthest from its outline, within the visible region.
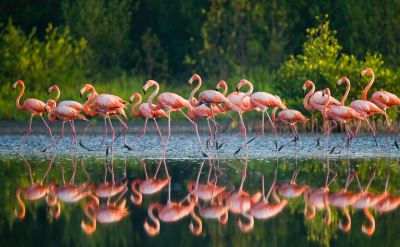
(148, 186)
(35, 192)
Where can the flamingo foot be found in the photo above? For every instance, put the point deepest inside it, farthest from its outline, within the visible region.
(83, 146)
(396, 144)
(128, 147)
(332, 150)
(204, 154)
(219, 146)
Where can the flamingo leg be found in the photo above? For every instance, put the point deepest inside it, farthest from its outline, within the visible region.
(105, 130)
(244, 131)
(158, 130)
(73, 135)
(48, 129)
(293, 140)
(196, 130)
(142, 134)
(60, 138)
(373, 132)
(112, 136)
(211, 133)
(25, 137)
(125, 129)
(83, 135)
(274, 129)
(168, 134)
(396, 142)
(330, 128)
(350, 136)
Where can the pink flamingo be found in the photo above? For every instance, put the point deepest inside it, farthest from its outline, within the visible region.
(289, 117)
(240, 103)
(201, 110)
(341, 114)
(107, 105)
(262, 101)
(364, 107)
(315, 100)
(70, 103)
(382, 99)
(171, 102)
(33, 107)
(65, 114)
(148, 186)
(146, 112)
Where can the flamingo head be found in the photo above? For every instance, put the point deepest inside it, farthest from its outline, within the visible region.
(220, 84)
(341, 80)
(148, 84)
(307, 84)
(52, 88)
(85, 88)
(134, 96)
(326, 91)
(241, 83)
(16, 83)
(195, 77)
(366, 71)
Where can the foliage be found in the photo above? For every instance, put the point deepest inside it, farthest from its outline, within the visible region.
(105, 25)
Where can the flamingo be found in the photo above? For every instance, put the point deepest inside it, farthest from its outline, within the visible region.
(70, 103)
(201, 110)
(65, 114)
(107, 105)
(148, 186)
(364, 107)
(261, 101)
(172, 212)
(240, 103)
(33, 107)
(316, 100)
(109, 213)
(170, 102)
(382, 99)
(341, 114)
(36, 191)
(289, 117)
(146, 112)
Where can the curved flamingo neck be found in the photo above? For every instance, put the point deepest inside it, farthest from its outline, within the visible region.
(325, 110)
(307, 97)
(17, 101)
(369, 85)
(348, 85)
(136, 192)
(21, 214)
(150, 100)
(250, 91)
(192, 100)
(55, 87)
(153, 230)
(89, 229)
(135, 105)
(225, 86)
(274, 119)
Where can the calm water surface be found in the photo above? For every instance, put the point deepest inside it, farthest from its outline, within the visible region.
(44, 225)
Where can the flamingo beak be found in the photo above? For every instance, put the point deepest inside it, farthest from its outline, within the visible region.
(81, 95)
(144, 91)
(237, 90)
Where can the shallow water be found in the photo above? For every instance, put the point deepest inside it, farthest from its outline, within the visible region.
(288, 228)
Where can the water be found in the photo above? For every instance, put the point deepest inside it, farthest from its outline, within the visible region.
(43, 225)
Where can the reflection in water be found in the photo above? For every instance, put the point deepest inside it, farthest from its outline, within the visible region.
(209, 197)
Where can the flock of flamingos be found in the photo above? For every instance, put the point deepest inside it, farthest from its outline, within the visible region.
(208, 104)
(207, 198)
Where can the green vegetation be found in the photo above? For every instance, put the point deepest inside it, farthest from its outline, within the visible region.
(118, 44)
